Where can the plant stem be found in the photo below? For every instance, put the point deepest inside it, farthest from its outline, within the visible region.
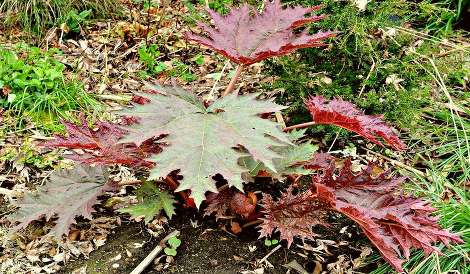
(300, 126)
(233, 81)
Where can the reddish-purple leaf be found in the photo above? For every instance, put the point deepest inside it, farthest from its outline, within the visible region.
(320, 160)
(101, 145)
(346, 115)
(247, 36)
(69, 193)
(292, 215)
(393, 223)
(229, 201)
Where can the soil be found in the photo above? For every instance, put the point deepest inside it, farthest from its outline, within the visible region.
(207, 247)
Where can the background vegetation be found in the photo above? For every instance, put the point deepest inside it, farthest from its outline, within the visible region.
(37, 15)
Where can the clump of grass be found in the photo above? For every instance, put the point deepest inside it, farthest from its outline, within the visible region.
(36, 89)
(451, 145)
(37, 15)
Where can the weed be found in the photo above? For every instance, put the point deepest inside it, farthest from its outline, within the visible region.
(450, 147)
(27, 154)
(173, 244)
(272, 242)
(35, 88)
(439, 17)
(221, 6)
(150, 56)
(74, 21)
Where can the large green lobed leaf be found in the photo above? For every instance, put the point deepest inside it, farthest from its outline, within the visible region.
(203, 139)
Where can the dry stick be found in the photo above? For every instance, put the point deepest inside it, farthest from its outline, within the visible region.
(129, 183)
(300, 126)
(211, 97)
(252, 223)
(367, 78)
(269, 254)
(143, 265)
(280, 119)
(397, 163)
(233, 81)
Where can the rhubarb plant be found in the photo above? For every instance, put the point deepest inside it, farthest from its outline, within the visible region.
(206, 150)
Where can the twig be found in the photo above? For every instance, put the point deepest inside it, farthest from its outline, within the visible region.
(252, 223)
(367, 78)
(269, 254)
(280, 119)
(397, 163)
(143, 265)
(210, 96)
(300, 126)
(129, 183)
(334, 140)
(233, 81)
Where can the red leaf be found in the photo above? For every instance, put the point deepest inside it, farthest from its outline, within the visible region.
(247, 36)
(291, 215)
(101, 146)
(393, 223)
(320, 160)
(346, 115)
(229, 200)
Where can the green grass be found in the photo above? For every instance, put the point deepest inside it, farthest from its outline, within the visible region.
(450, 145)
(37, 89)
(439, 17)
(35, 16)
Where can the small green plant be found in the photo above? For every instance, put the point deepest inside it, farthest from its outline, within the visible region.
(73, 21)
(35, 88)
(173, 243)
(182, 71)
(272, 242)
(27, 153)
(150, 55)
